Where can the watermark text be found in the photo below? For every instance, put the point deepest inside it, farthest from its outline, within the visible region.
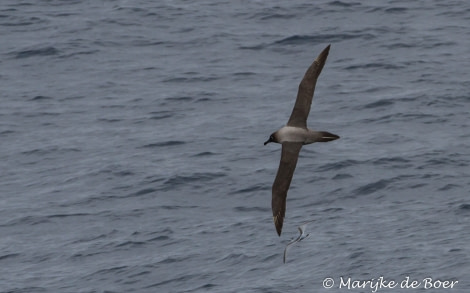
(382, 283)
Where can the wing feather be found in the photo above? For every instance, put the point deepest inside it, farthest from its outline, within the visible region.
(289, 156)
(304, 99)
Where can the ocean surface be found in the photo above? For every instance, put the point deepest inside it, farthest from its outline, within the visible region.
(132, 157)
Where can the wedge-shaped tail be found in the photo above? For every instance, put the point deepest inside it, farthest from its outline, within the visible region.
(327, 136)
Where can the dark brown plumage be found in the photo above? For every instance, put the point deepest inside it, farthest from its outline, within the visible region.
(304, 99)
(289, 156)
(293, 136)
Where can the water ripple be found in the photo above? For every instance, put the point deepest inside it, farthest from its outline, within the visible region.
(181, 180)
(165, 144)
(47, 51)
(372, 187)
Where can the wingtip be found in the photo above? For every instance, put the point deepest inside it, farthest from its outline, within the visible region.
(321, 59)
(278, 221)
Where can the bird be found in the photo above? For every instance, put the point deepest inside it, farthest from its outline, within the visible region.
(293, 136)
(301, 237)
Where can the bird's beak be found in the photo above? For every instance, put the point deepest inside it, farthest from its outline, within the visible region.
(266, 142)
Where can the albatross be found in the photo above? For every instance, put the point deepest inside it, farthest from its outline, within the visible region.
(293, 136)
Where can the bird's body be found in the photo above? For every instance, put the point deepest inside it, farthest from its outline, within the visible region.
(300, 134)
(293, 136)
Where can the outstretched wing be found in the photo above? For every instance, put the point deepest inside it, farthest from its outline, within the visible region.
(303, 102)
(289, 156)
(287, 248)
(303, 227)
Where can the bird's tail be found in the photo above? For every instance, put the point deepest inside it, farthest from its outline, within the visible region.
(327, 136)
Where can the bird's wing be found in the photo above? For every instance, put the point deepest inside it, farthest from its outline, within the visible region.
(303, 102)
(289, 156)
(287, 247)
(303, 226)
(285, 253)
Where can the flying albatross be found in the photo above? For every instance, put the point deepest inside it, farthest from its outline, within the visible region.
(293, 136)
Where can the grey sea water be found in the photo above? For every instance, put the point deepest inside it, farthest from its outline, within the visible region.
(132, 157)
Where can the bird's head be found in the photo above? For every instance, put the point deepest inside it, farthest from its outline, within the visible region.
(272, 138)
